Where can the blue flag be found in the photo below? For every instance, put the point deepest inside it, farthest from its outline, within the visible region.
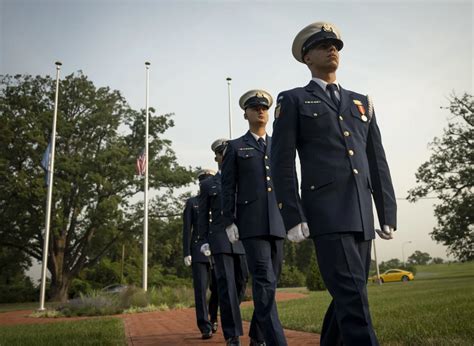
(45, 162)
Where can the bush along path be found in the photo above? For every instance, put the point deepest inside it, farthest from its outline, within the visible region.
(178, 327)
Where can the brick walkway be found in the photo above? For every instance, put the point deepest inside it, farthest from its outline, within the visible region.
(167, 328)
(178, 327)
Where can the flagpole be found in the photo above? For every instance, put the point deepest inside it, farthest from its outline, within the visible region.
(50, 173)
(145, 204)
(229, 80)
(377, 264)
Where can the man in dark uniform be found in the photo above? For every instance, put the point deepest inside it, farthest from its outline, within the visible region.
(251, 215)
(230, 262)
(343, 165)
(202, 269)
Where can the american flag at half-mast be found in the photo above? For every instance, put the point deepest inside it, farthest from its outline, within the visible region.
(45, 162)
(141, 163)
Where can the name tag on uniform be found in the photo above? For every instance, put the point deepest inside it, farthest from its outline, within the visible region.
(312, 101)
(249, 148)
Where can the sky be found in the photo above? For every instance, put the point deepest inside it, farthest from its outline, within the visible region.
(410, 56)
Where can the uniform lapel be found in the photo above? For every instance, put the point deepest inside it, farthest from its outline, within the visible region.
(269, 145)
(317, 91)
(250, 140)
(345, 99)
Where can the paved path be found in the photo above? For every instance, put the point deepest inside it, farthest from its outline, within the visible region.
(178, 327)
(168, 328)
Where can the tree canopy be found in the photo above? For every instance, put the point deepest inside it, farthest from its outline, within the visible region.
(419, 258)
(449, 174)
(98, 139)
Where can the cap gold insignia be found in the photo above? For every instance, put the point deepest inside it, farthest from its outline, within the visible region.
(280, 206)
(326, 27)
(259, 95)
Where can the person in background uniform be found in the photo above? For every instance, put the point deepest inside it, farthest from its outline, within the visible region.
(230, 262)
(343, 165)
(202, 267)
(251, 214)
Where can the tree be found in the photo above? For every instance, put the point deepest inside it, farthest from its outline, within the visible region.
(449, 173)
(314, 279)
(15, 286)
(393, 263)
(419, 258)
(98, 139)
(437, 260)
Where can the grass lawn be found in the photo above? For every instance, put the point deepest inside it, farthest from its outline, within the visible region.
(437, 308)
(103, 331)
(22, 306)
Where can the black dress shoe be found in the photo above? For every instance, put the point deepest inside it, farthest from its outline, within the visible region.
(254, 342)
(214, 327)
(233, 341)
(207, 335)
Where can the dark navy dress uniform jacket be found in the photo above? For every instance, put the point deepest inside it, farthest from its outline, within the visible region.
(248, 195)
(342, 159)
(211, 223)
(192, 241)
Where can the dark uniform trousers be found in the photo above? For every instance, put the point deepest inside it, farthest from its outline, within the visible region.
(343, 166)
(249, 201)
(230, 261)
(265, 257)
(232, 277)
(204, 277)
(344, 261)
(203, 273)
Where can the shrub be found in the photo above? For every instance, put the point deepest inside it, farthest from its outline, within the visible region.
(291, 277)
(79, 287)
(96, 304)
(314, 280)
(133, 296)
(20, 289)
(183, 296)
(132, 299)
(47, 313)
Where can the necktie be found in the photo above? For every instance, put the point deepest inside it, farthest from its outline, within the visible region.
(332, 91)
(261, 144)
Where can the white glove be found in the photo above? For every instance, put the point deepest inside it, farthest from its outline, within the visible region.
(206, 249)
(298, 233)
(232, 233)
(187, 261)
(386, 232)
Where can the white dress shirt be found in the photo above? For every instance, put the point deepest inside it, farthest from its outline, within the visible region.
(257, 137)
(323, 85)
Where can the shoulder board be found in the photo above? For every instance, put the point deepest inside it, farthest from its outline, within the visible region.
(370, 112)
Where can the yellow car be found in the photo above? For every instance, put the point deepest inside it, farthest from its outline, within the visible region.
(394, 275)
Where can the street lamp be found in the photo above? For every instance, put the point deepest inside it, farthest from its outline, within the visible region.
(403, 251)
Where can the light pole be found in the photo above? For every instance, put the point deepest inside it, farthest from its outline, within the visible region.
(403, 250)
(229, 80)
(145, 189)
